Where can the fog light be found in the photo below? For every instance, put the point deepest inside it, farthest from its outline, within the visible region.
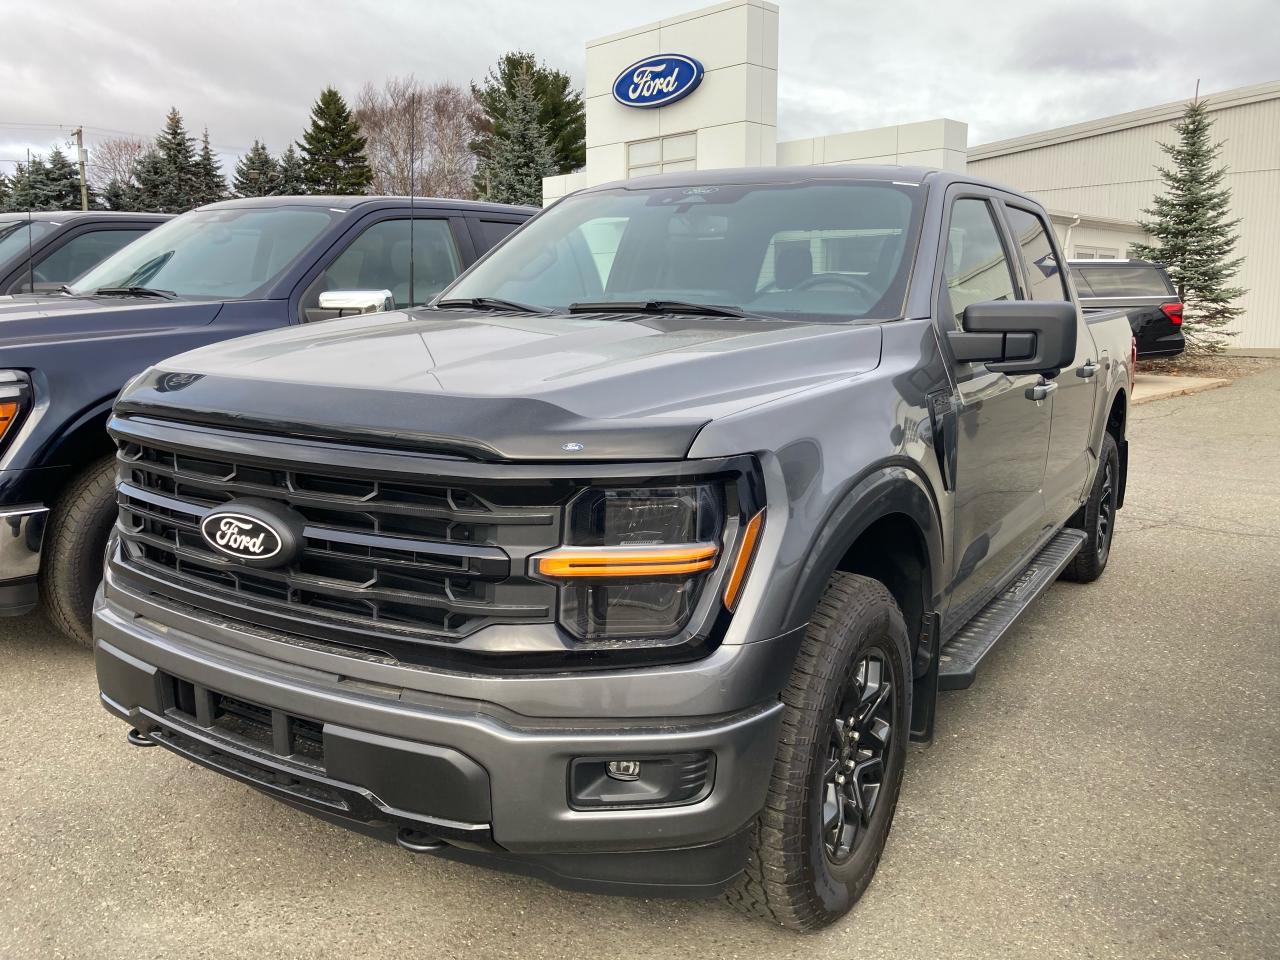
(623, 769)
(653, 780)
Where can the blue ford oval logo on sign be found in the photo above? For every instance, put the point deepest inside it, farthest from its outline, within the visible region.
(657, 81)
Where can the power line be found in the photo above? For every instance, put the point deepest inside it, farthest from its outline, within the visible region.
(89, 127)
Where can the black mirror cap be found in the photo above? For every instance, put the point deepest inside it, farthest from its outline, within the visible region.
(1053, 323)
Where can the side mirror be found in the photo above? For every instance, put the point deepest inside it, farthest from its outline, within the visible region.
(1017, 336)
(349, 303)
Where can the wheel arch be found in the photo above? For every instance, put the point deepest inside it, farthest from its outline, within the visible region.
(80, 443)
(1116, 424)
(886, 526)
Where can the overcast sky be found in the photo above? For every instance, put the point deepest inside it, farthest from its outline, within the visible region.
(252, 69)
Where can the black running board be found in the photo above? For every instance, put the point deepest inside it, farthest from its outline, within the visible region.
(958, 664)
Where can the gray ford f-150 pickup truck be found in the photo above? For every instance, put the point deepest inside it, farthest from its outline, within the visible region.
(636, 560)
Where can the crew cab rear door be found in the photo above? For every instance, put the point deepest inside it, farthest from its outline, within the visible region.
(1070, 462)
(1002, 436)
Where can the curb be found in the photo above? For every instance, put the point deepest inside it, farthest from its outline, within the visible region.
(1181, 391)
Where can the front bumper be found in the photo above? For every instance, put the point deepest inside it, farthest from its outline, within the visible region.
(471, 774)
(21, 539)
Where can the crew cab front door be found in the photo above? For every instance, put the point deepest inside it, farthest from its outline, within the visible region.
(1002, 437)
(1070, 463)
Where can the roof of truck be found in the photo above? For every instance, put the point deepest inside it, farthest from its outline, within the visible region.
(912, 176)
(63, 216)
(352, 202)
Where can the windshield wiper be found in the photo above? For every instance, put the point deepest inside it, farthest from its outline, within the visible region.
(662, 306)
(135, 292)
(490, 303)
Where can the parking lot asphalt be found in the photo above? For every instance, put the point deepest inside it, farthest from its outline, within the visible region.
(1110, 786)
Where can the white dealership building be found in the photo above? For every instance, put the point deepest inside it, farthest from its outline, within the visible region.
(715, 104)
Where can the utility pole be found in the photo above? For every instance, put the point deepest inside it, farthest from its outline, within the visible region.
(81, 155)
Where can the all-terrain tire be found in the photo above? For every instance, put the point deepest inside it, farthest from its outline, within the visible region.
(75, 541)
(1097, 518)
(790, 878)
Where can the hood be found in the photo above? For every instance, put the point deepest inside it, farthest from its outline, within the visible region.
(28, 320)
(506, 386)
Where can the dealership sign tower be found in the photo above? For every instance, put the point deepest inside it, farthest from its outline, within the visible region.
(700, 91)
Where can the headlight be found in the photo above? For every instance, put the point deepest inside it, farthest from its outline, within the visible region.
(15, 398)
(636, 561)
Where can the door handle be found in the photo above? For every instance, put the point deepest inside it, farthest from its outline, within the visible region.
(1041, 390)
(1087, 371)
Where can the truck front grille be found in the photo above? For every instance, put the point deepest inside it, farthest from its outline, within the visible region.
(384, 562)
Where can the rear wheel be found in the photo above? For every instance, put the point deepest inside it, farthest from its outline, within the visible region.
(75, 542)
(839, 764)
(1097, 518)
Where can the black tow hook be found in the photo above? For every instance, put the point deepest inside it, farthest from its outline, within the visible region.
(139, 739)
(415, 841)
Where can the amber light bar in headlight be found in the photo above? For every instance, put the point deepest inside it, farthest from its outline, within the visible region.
(623, 561)
(15, 393)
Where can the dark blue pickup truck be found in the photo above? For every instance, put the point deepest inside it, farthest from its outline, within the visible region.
(42, 251)
(225, 270)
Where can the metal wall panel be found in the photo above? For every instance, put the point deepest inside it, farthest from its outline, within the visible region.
(1114, 174)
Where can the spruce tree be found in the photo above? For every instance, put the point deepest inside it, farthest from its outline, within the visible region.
(117, 195)
(31, 188)
(333, 155)
(1194, 237)
(256, 173)
(560, 109)
(520, 156)
(290, 175)
(182, 188)
(151, 191)
(211, 185)
(63, 178)
(4, 192)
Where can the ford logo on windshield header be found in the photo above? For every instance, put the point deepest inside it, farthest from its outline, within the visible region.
(256, 532)
(657, 81)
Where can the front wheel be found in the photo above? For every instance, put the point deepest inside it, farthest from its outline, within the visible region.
(1097, 518)
(75, 541)
(839, 763)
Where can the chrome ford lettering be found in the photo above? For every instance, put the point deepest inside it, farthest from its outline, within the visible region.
(241, 536)
(646, 85)
(230, 535)
(655, 81)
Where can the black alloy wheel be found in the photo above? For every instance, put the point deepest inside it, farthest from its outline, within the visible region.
(861, 737)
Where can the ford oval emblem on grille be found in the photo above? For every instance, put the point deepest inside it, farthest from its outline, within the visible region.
(256, 532)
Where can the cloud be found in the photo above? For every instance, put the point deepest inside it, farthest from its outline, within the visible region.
(251, 70)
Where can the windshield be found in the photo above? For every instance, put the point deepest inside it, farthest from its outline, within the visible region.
(833, 250)
(212, 254)
(14, 239)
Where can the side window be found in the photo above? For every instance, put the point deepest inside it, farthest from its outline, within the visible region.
(378, 259)
(1043, 272)
(78, 255)
(493, 232)
(975, 267)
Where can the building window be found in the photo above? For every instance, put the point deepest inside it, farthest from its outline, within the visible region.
(662, 155)
(1096, 253)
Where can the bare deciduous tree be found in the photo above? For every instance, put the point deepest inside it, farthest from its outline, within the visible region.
(115, 159)
(419, 137)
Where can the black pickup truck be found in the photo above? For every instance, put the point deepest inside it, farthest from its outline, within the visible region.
(1145, 293)
(637, 558)
(39, 252)
(224, 270)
